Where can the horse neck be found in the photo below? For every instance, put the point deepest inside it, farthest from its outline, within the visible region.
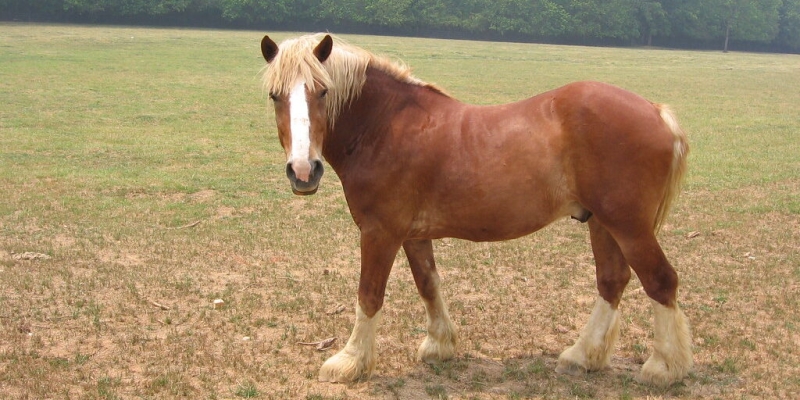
(367, 122)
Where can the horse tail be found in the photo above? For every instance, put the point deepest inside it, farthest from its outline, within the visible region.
(678, 168)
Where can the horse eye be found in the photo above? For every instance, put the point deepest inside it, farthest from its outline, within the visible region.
(273, 97)
(323, 93)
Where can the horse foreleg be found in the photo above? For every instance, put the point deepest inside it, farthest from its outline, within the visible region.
(356, 360)
(440, 343)
(592, 351)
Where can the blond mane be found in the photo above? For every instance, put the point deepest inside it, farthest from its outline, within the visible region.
(343, 73)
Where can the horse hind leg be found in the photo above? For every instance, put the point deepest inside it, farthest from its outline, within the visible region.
(440, 343)
(671, 359)
(672, 349)
(592, 351)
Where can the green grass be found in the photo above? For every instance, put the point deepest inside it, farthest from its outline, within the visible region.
(247, 390)
(145, 163)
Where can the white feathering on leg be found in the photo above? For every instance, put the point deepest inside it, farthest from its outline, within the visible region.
(592, 351)
(440, 343)
(357, 359)
(672, 347)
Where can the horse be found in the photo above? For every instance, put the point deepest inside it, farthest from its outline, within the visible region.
(416, 164)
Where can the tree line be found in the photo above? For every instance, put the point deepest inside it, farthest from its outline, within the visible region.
(772, 25)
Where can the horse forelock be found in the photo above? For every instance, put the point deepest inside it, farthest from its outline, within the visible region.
(343, 73)
(294, 61)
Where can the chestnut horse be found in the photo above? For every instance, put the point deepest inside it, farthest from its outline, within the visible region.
(416, 165)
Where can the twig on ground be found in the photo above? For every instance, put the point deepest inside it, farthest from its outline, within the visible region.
(320, 345)
(195, 223)
(159, 305)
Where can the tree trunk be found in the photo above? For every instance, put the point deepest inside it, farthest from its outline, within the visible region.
(727, 35)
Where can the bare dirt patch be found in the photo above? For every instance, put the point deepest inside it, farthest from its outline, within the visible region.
(517, 305)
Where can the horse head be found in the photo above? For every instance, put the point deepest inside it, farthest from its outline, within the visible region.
(299, 97)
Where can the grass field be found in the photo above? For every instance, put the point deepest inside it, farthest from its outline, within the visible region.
(141, 179)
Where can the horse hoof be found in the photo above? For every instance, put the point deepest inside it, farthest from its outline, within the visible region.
(672, 351)
(572, 361)
(656, 372)
(432, 351)
(343, 368)
(568, 368)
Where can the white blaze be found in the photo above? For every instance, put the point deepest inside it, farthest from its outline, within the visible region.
(301, 127)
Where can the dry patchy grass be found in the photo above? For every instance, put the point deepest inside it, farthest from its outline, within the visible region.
(143, 164)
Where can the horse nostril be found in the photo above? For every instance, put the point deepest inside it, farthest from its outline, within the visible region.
(315, 172)
(316, 168)
(290, 172)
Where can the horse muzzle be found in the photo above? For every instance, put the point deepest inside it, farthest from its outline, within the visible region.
(309, 186)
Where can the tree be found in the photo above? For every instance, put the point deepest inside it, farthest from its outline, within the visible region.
(394, 13)
(698, 23)
(342, 11)
(753, 21)
(653, 20)
(744, 20)
(85, 6)
(594, 19)
(250, 11)
(509, 16)
(789, 26)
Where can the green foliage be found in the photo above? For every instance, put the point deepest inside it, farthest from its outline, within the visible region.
(789, 29)
(773, 23)
(128, 7)
(255, 10)
(653, 19)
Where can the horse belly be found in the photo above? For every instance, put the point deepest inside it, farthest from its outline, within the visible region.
(506, 184)
(482, 220)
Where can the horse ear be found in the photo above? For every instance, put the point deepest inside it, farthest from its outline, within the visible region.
(323, 49)
(268, 49)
